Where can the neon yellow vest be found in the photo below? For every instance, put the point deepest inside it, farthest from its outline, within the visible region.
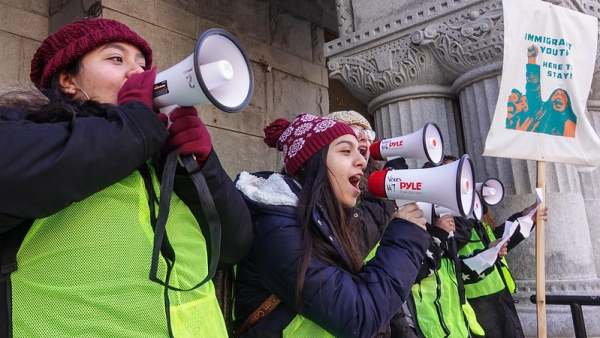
(492, 283)
(84, 271)
(438, 316)
(508, 278)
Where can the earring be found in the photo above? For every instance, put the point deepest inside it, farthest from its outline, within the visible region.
(83, 91)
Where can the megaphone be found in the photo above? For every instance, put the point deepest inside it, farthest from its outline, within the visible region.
(218, 72)
(492, 191)
(432, 211)
(425, 143)
(450, 185)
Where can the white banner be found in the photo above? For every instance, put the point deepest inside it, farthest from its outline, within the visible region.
(549, 56)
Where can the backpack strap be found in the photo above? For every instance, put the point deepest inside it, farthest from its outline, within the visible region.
(261, 312)
(10, 242)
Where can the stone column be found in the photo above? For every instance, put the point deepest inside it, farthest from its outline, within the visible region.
(590, 185)
(412, 67)
(404, 111)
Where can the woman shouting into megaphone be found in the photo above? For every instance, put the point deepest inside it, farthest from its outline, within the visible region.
(84, 221)
(305, 274)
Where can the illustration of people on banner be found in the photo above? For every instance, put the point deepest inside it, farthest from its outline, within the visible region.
(528, 112)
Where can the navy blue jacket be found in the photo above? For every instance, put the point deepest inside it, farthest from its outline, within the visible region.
(345, 305)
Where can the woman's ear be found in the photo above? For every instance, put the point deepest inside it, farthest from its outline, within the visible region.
(67, 85)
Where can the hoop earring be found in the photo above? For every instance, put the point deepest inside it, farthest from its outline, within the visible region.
(83, 91)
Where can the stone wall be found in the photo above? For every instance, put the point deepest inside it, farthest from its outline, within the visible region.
(283, 39)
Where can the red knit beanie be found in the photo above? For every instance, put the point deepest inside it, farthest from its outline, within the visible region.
(303, 137)
(75, 40)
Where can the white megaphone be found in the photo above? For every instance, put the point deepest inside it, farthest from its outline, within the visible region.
(425, 143)
(450, 185)
(432, 211)
(218, 72)
(492, 191)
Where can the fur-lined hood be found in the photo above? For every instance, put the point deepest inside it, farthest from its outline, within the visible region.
(267, 188)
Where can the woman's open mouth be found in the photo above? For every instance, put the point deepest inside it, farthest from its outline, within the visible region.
(355, 180)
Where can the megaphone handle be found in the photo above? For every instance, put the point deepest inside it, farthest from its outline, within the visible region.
(167, 111)
(400, 203)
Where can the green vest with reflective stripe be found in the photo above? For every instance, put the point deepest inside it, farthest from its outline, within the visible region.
(508, 278)
(439, 312)
(84, 271)
(492, 283)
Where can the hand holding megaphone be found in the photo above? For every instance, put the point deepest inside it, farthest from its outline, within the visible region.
(188, 133)
(218, 72)
(138, 87)
(412, 213)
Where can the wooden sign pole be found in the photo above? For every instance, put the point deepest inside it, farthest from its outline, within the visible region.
(540, 255)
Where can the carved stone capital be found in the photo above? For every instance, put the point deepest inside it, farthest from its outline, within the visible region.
(435, 49)
(463, 42)
(380, 70)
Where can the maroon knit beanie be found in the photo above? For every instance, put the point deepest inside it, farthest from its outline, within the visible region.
(303, 137)
(75, 40)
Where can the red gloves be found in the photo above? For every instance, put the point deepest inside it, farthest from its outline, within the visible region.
(139, 87)
(189, 134)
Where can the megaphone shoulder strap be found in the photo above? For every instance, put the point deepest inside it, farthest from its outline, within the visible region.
(209, 223)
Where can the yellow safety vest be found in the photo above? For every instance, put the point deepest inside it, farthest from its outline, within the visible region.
(436, 301)
(492, 283)
(84, 271)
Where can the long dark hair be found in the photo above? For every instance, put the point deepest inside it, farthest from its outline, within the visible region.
(53, 106)
(372, 166)
(317, 189)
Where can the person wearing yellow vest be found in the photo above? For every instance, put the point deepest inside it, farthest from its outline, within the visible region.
(489, 292)
(105, 243)
(437, 299)
(306, 253)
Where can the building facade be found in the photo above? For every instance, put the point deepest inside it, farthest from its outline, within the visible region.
(413, 62)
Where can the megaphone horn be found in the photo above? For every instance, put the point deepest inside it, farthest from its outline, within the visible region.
(450, 185)
(425, 143)
(218, 72)
(492, 191)
(476, 213)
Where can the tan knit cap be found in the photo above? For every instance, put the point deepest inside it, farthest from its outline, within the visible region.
(350, 117)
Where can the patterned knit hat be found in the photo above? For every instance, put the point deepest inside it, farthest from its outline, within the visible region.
(350, 117)
(75, 40)
(303, 137)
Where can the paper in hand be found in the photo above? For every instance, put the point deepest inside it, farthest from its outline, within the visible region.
(483, 260)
